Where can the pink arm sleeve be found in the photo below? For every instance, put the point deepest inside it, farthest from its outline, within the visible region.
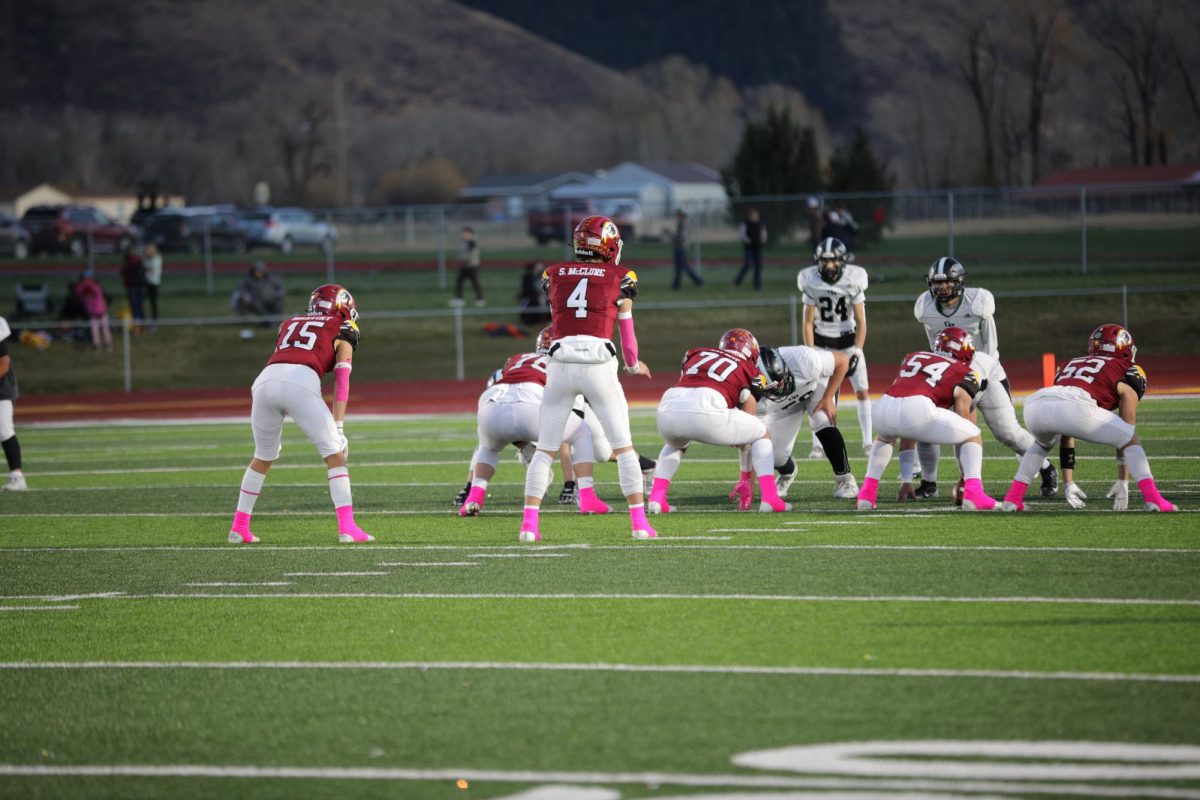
(628, 340)
(341, 381)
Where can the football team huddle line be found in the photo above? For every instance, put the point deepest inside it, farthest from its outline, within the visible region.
(565, 400)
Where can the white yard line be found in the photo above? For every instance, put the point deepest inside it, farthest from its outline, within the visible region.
(262, 583)
(518, 555)
(551, 666)
(428, 564)
(39, 608)
(332, 574)
(587, 596)
(640, 547)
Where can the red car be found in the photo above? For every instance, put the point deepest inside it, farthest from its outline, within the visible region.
(72, 229)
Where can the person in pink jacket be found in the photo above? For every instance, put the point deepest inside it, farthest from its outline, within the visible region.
(92, 295)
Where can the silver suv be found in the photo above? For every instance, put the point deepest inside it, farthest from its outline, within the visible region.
(285, 229)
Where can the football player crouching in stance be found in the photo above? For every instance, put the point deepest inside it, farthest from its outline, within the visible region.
(588, 298)
(308, 347)
(508, 413)
(714, 403)
(802, 381)
(1080, 404)
(930, 401)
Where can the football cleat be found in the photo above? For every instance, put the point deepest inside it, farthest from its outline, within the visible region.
(1009, 506)
(927, 490)
(846, 487)
(1169, 507)
(591, 504)
(982, 503)
(1049, 480)
(242, 538)
(529, 536)
(787, 474)
(642, 534)
(354, 535)
(765, 507)
(864, 505)
(906, 494)
(15, 482)
(470, 510)
(659, 507)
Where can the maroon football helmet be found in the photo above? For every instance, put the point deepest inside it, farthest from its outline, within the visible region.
(740, 341)
(599, 238)
(1112, 340)
(333, 300)
(545, 338)
(956, 343)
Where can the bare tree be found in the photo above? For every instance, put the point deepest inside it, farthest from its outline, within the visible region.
(1046, 33)
(980, 69)
(1133, 33)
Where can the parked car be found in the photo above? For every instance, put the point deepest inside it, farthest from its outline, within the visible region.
(546, 224)
(14, 239)
(183, 229)
(69, 229)
(286, 229)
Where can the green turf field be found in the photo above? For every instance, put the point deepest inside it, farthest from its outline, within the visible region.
(141, 656)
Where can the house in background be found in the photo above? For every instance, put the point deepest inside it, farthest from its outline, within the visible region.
(659, 188)
(115, 205)
(511, 196)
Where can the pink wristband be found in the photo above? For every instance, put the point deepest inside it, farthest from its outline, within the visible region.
(629, 346)
(341, 381)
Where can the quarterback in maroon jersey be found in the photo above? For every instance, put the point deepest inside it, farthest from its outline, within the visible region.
(308, 347)
(587, 296)
(1080, 405)
(714, 403)
(930, 401)
(509, 410)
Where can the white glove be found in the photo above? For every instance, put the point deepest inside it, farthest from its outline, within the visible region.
(1075, 496)
(1120, 495)
(345, 445)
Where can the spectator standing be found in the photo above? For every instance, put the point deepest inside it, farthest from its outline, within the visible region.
(681, 252)
(95, 303)
(8, 396)
(133, 276)
(469, 268)
(531, 298)
(753, 234)
(259, 293)
(152, 262)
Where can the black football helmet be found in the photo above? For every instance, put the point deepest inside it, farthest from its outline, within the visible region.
(780, 380)
(947, 279)
(830, 256)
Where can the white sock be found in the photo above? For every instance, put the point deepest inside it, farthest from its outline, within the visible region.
(1035, 455)
(762, 455)
(668, 462)
(1139, 465)
(479, 482)
(881, 454)
(252, 483)
(584, 483)
(339, 487)
(864, 418)
(629, 473)
(537, 477)
(929, 455)
(907, 458)
(970, 456)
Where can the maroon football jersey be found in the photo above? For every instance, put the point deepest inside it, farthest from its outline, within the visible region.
(1096, 375)
(931, 375)
(309, 339)
(583, 298)
(524, 368)
(710, 368)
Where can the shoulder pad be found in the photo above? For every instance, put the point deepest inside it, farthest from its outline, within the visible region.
(629, 285)
(1135, 376)
(545, 281)
(972, 383)
(350, 333)
(984, 303)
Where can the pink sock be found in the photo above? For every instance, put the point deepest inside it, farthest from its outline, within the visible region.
(1016, 494)
(770, 494)
(658, 492)
(869, 490)
(589, 503)
(530, 521)
(241, 523)
(477, 495)
(973, 491)
(637, 518)
(347, 525)
(1151, 494)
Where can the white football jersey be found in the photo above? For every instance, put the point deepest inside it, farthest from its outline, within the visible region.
(974, 313)
(834, 301)
(811, 367)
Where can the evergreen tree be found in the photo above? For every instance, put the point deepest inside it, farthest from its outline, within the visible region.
(857, 169)
(776, 157)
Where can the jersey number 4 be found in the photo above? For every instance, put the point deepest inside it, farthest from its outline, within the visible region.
(720, 368)
(578, 299)
(834, 313)
(305, 338)
(933, 371)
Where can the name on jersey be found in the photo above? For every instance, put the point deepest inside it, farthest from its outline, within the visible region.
(585, 271)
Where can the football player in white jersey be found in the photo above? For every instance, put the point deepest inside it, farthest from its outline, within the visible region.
(835, 318)
(802, 380)
(950, 303)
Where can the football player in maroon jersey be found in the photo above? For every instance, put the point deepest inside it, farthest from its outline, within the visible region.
(508, 413)
(587, 296)
(308, 347)
(1080, 405)
(714, 403)
(930, 401)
